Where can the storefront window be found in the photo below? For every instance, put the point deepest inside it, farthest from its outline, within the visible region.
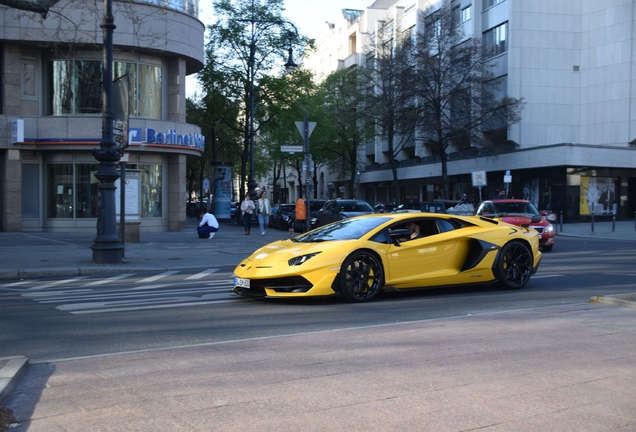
(72, 194)
(86, 193)
(150, 176)
(60, 191)
(76, 88)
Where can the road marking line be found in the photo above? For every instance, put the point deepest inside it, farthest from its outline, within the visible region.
(15, 284)
(546, 276)
(108, 280)
(157, 277)
(127, 309)
(202, 274)
(56, 283)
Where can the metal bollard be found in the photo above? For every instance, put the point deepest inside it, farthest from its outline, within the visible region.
(592, 217)
(613, 221)
(561, 221)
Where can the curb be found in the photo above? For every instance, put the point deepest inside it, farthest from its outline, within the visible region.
(625, 300)
(10, 373)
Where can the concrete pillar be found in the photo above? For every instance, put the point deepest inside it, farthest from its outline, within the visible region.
(11, 80)
(177, 192)
(11, 193)
(176, 90)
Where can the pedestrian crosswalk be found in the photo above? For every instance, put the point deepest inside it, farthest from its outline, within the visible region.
(128, 291)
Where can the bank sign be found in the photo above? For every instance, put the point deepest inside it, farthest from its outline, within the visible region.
(138, 136)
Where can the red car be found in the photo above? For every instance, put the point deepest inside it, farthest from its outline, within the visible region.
(521, 213)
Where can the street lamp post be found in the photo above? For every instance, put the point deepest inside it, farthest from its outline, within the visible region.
(290, 66)
(107, 247)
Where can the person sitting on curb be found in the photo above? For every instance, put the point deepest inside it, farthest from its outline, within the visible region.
(208, 225)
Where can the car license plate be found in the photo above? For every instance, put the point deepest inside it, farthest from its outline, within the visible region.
(241, 282)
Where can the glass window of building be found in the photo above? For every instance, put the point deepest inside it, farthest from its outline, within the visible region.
(72, 191)
(495, 40)
(151, 193)
(489, 3)
(75, 87)
(465, 16)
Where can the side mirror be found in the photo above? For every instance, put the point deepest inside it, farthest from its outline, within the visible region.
(536, 219)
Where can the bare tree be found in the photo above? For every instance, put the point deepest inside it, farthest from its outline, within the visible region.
(38, 6)
(460, 101)
(392, 98)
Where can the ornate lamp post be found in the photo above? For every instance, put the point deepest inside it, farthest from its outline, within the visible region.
(107, 247)
(290, 66)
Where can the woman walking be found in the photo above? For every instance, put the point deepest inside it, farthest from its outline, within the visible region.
(247, 208)
(264, 210)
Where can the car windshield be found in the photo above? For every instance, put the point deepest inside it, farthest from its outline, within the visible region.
(355, 207)
(315, 205)
(516, 207)
(348, 229)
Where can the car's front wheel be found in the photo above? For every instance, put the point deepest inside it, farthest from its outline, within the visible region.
(514, 266)
(361, 277)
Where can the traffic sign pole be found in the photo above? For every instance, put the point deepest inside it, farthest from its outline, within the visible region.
(306, 128)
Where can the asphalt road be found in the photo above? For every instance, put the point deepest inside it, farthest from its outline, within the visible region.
(97, 316)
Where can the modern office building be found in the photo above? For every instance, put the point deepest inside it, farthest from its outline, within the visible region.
(51, 105)
(574, 64)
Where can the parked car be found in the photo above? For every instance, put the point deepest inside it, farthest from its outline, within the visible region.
(522, 213)
(282, 216)
(234, 210)
(338, 209)
(384, 208)
(314, 208)
(358, 258)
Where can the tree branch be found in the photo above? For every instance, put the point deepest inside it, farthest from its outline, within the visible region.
(38, 6)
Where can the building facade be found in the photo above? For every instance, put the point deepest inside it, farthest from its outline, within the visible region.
(51, 105)
(573, 63)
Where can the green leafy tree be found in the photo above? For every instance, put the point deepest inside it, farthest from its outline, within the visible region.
(460, 102)
(347, 127)
(249, 38)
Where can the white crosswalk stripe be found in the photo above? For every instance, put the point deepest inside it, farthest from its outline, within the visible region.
(128, 292)
(202, 274)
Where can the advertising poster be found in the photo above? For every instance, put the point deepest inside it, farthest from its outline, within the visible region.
(222, 191)
(598, 194)
(121, 111)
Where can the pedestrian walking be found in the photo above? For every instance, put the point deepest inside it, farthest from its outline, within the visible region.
(264, 210)
(247, 208)
(208, 225)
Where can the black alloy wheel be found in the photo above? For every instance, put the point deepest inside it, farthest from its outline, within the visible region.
(361, 277)
(514, 266)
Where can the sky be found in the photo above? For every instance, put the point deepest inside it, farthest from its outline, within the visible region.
(307, 15)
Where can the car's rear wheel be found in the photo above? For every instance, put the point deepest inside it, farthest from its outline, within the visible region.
(514, 266)
(361, 277)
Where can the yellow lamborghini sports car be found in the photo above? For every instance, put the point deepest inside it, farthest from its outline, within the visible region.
(357, 258)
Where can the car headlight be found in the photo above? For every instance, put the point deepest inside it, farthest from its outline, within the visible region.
(549, 229)
(301, 259)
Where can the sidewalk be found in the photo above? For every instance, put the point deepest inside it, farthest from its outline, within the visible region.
(37, 255)
(566, 368)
